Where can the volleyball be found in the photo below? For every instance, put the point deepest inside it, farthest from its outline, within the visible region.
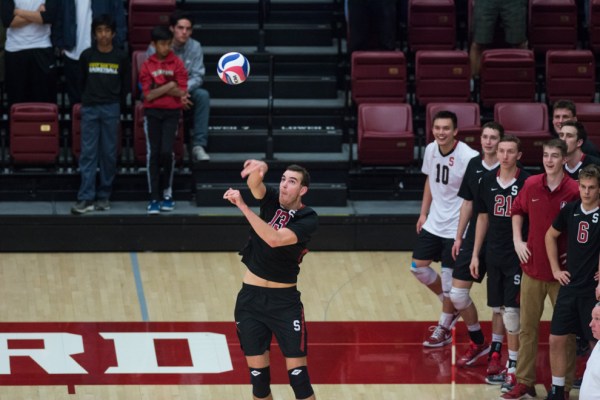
(233, 68)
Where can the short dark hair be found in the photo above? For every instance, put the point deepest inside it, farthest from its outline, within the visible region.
(495, 126)
(563, 103)
(179, 14)
(161, 32)
(305, 175)
(581, 132)
(590, 171)
(104, 20)
(556, 143)
(445, 114)
(511, 139)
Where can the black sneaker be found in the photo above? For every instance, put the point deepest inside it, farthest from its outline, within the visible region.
(83, 206)
(102, 205)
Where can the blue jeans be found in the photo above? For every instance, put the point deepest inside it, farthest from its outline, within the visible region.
(99, 133)
(201, 107)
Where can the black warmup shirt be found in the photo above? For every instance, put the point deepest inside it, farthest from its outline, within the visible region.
(496, 201)
(279, 264)
(583, 246)
(104, 76)
(585, 161)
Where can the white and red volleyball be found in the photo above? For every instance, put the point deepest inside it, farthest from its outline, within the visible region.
(233, 68)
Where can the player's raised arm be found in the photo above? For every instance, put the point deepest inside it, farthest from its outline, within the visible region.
(255, 171)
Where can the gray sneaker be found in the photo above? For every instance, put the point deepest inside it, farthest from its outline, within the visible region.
(102, 205)
(200, 154)
(83, 206)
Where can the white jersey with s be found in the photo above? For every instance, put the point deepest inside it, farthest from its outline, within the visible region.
(445, 174)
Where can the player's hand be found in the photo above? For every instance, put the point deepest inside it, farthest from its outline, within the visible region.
(474, 267)
(186, 103)
(234, 197)
(254, 166)
(421, 222)
(522, 251)
(456, 248)
(563, 277)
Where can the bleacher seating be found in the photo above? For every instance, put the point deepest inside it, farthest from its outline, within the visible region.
(552, 25)
(529, 122)
(442, 76)
(507, 75)
(378, 76)
(570, 74)
(468, 121)
(594, 26)
(143, 16)
(385, 134)
(34, 133)
(431, 25)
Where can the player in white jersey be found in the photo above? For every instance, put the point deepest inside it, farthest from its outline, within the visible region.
(444, 163)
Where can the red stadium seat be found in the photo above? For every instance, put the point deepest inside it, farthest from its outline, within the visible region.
(431, 25)
(34, 133)
(378, 77)
(137, 59)
(570, 74)
(139, 138)
(529, 122)
(442, 76)
(145, 15)
(552, 25)
(507, 75)
(467, 116)
(76, 133)
(589, 115)
(594, 26)
(385, 134)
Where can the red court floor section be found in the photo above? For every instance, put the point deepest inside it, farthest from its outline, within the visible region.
(339, 353)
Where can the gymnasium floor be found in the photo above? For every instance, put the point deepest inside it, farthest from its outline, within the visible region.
(367, 318)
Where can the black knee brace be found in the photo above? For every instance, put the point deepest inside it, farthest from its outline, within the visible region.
(300, 382)
(261, 382)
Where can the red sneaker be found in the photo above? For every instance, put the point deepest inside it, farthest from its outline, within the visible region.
(520, 391)
(494, 364)
(473, 353)
(439, 337)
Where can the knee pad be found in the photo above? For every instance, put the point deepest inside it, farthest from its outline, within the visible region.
(261, 382)
(425, 275)
(446, 281)
(300, 382)
(511, 318)
(460, 298)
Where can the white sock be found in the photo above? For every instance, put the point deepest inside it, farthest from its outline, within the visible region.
(446, 319)
(513, 355)
(497, 338)
(558, 380)
(474, 328)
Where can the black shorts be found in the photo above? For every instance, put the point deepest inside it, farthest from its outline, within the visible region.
(432, 247)
(261, 313)
(504, 281)
(462, 272)
(572, 314)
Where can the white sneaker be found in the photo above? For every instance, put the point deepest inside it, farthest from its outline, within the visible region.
(439, 337)
(200, 154)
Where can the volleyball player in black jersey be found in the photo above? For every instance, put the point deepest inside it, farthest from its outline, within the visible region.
(269, 303)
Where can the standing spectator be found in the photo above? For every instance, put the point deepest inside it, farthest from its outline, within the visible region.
(576, 296)
(574, 135)
(371, 25)
(197, 100)
(486, 13)
(30, 62)
(164, 83)
(462, 251)
(498, 190)
(563, 111)
(590, 388)
(269, 302)
(104, 79)
(444, 163)
(72, 34)
(540, 200)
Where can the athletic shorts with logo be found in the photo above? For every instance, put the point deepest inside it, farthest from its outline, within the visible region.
(572, 315)
(262, 312)
(504, 281)
(433, 247)
(462, 270)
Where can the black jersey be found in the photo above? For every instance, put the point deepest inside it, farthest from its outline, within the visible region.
(469, 190)
(583, 246)
(585, 161)
(279, 264)
(496, 201)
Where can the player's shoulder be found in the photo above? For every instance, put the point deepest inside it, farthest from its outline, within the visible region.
(464, 151)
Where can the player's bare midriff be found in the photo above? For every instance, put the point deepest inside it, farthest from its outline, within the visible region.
(252, 279)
